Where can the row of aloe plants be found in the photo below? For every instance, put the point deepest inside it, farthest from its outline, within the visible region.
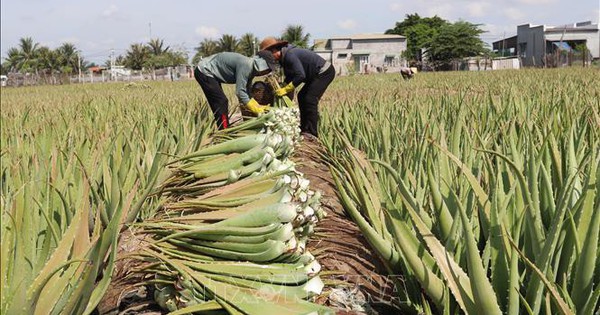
(73, 175)
(487, 203)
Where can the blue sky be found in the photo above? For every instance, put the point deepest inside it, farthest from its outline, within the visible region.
(96, 27)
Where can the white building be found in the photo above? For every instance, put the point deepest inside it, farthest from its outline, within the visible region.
(364, 53)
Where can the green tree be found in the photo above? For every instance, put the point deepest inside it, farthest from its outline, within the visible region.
(156, 47)
(178, 57)
(248, 44)
(294, 34)
(48, 60)
(419, 33)
(69, 58)
(136, 56)
(28, 51)
(13, 60)
(161, 56)
(168, 59)
(229, 43)
(456, 41)
(119, 61)
(206, 48)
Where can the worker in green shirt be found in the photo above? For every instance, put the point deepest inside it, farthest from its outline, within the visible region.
(232, 68)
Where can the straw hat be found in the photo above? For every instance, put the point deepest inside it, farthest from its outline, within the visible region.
(271, 42)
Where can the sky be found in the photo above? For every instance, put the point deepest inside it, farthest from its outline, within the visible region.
(99, 27)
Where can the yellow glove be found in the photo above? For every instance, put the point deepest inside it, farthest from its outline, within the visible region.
(256, 108)
(285, 90)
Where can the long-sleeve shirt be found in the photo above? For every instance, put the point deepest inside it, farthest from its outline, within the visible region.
(300, 65)
(231, 68)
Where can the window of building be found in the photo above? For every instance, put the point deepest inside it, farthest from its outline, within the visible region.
(342, 56)
(390, 61)
(523, 50)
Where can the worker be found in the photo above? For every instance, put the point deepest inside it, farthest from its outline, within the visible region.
(302, 66)
(232, 68)
(407, 73)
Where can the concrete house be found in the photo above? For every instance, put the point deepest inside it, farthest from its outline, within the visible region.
(534, 43)
(366, 53)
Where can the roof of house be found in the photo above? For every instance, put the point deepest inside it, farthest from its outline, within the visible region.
(567, 28)
(320, 44)
(580, 26)
(368, 36)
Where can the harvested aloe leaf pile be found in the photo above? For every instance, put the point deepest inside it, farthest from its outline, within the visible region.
(232, 229)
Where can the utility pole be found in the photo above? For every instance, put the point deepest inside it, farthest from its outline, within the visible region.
(112, 62)
(79, 67)
(503, 42)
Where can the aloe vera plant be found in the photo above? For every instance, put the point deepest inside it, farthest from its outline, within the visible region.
(486, 202)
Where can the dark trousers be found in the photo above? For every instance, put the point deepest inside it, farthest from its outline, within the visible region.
(216, 98)
(308, 100)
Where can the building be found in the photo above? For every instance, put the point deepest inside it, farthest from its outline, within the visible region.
(542, 45)
(365, 53)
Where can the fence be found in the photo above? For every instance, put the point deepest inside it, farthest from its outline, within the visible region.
(165, 74)
(567, 58)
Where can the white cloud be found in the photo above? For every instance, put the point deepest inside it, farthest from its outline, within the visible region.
(396, 6)
(478, 9)
(208, 31)
(513, 14)
(111, 11)
(72, 40)
(347, 24)
(442, 10)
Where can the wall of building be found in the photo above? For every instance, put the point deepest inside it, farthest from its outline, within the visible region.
(365, 55)
(531, 44)
(506, 63)
(340, 44)
(380, 45)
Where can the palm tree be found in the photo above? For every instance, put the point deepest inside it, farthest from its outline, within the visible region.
(136, 56)
(48, 60)
(207, 47)
(119, 61)
(29, 53)
(229, 43)
(13, 60)
(69, 58)
(294, 34)
(156, 47)
(248, 44)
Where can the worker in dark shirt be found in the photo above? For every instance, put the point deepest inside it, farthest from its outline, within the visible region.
(302, 66)
(232, 68)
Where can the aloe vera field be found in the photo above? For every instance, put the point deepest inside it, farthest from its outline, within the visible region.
(473, 192)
